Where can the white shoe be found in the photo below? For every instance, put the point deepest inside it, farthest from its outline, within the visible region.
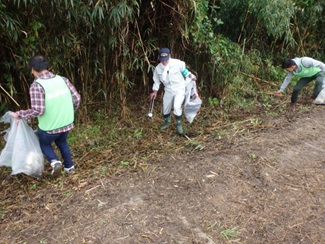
(70, 170)
(56, 167)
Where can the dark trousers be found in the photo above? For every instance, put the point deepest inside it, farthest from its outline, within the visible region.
(319, 78)
(60, 140)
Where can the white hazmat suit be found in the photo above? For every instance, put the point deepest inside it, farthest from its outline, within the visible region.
(171, 73)
(172, 78)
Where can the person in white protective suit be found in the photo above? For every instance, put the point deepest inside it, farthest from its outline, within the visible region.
(171, 73)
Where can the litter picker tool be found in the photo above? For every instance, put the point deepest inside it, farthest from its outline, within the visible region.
(150, 113)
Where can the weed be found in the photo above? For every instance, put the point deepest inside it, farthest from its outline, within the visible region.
(145, 168)
(267, 105)
(3, 213)
(94, 130)
(124, 163)
(68, 194)
(252, 156)
(228, 233)
(213, 101)
(137, 134)
(33, 187)
(220, 133)
(195, 146)
(256, 122)
(103, 171)
(214, 225)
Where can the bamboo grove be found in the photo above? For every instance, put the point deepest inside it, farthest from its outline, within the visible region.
(109, 48)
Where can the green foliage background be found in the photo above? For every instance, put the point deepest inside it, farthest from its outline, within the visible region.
(109, 48)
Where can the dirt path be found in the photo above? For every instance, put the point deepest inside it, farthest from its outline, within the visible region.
(265, 187)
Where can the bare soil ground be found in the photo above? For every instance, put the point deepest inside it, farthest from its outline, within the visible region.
(262, 183)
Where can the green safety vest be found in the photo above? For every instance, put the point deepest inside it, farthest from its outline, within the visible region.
(59, 111)
(307, 72)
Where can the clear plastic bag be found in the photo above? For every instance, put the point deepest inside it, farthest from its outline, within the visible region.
(192, 102)
(320, 99)
(22, 151)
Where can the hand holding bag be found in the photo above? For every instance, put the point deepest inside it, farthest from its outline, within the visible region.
(22, 150)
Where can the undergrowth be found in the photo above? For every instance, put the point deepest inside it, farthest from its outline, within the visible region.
(108, 147)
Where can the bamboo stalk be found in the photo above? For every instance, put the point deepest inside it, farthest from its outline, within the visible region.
(256, 78)
(9, 95)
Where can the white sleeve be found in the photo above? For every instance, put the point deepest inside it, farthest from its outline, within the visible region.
(156, 81)
(286, 81)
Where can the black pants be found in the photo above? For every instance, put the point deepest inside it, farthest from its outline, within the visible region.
(319, 78)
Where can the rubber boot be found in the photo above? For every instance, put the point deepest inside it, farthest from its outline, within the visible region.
(179, 125)
(167, 122)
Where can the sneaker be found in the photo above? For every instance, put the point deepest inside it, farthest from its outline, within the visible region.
(70, 170)
(56, 167)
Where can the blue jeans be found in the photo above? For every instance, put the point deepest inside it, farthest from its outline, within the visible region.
(60, 140)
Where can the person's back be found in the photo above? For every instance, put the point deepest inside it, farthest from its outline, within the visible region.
(53, 101)
(59, 110)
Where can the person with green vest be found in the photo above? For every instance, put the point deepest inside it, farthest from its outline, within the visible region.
(307, 69)
(53, 101)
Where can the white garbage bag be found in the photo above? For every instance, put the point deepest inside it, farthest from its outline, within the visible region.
(22, 151)
(193, 101)
(320, 99)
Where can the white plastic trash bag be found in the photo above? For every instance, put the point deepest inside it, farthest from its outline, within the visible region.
(22, 150)
(193, 101)
(320, 99)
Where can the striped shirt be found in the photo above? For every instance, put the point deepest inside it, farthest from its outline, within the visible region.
(37, 97)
